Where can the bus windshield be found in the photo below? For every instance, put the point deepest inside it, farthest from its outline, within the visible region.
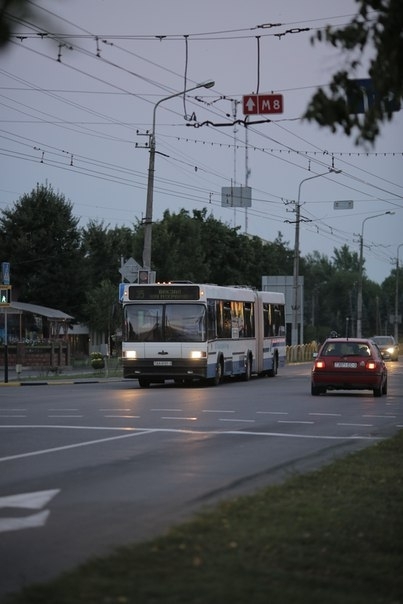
(165, 322)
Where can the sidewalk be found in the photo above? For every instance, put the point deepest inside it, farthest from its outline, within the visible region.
(38, 375)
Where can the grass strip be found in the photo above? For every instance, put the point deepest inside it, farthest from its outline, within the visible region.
(334, 535)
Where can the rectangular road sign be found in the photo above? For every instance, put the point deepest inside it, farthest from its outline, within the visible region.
(344, 204)
(262, 104)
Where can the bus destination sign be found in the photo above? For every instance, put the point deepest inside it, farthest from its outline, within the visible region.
(157, 293)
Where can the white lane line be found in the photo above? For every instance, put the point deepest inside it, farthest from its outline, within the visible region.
(291, 421)
(115, 410)
(170, 410)
(191, 419)
(327, 414)
(123, 416)
(381, 416)
(216, 411)
(60, 409)
(65, 415)
(4, 416)
(356, 425)
(141, 431)
(74, 446)
(246, 421)
(271, 413)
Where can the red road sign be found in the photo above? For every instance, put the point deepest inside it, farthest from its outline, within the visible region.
(261, 104)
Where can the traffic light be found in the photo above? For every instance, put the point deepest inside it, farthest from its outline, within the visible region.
(144, 276)
(5, 295)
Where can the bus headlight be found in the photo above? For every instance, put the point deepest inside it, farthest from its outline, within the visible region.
(198, 354)
(130, 354)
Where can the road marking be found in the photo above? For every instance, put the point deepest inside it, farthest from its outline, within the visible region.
(327, 414)
(217, 411)
(271, 412)
(123, 416)
(141, 431)
(381, 416)
(356, 425)
(4, 416)
(192, 419)
(171, 410)
(71, 415)
(74, 446)
(61, 409)
(292, 421)
(114, 410)
(16, 524)
(249, 421)
(31, 501)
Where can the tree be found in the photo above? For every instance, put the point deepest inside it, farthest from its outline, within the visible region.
(103, 310)
(40, 238)
(12, 12)
(103, 249)
(344, 260)
(383, 33)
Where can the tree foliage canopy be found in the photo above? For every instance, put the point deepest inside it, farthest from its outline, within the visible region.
(41, 240)
(376, 29)
(57, 264)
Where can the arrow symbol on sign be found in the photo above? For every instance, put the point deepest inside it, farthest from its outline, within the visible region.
(31, 501)
(250, 104)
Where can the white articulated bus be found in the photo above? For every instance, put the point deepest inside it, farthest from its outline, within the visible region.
(184, 332)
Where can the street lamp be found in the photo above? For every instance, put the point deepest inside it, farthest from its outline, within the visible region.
(396, 322)
(148, 221)
(295, 300)
(359, 297)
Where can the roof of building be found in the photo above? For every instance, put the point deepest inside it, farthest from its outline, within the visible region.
(36, 309)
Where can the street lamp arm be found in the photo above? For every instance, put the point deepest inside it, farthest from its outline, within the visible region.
(360, 272)
(207, 84)
(151, 170)
(295, 305)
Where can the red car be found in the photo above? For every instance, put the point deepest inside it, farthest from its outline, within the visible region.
(349, 364)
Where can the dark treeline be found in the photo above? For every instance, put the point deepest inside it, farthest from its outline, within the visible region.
(56, 263)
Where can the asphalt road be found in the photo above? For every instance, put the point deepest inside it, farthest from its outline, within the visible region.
(87, 467)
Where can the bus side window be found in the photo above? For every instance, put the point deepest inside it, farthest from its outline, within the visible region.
(249, 331)
(211, 320)
(227, 319)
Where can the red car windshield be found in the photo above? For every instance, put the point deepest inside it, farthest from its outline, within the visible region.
(345, 349)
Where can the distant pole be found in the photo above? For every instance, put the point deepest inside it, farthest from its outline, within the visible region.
(360, 273)
(396, 321)
(5, 347)
(296, 306)
(148, 220)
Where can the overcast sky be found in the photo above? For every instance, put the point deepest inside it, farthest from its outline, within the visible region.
(74, 107)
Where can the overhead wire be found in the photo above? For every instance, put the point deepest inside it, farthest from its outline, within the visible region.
(258, 133)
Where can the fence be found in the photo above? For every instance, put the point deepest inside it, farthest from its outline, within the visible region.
(301, 352)
(50, 356)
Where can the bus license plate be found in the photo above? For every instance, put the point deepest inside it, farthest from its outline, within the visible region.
(163, 363)
(346, 365)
